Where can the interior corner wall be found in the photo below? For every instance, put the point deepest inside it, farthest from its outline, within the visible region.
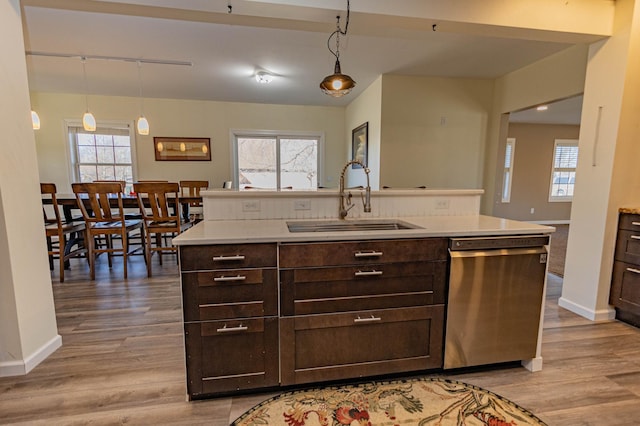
(182, 118)
(556, 77)
(366, 108)
(531, 177)
(434, 131)
(28, 330)
(607, 176)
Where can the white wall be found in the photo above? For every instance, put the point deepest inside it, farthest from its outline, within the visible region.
(28, 331)
(434, 131)
(187, 118)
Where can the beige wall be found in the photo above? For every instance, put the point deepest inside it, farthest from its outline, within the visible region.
(434, 131)
(366, 108)
(169, 117)
(532, 173)
(556, 77)
(28, 331)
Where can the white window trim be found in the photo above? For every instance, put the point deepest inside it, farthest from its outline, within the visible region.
(511, 141)
(249, 133)
(72, 168)
(566, 198)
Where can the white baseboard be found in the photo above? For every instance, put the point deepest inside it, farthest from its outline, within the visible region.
(596, 316)
(533, 364)
(22, 367)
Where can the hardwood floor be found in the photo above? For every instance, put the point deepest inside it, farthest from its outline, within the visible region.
(122, 361)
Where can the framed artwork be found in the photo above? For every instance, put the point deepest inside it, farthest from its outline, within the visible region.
(182, 149)
(360, 144)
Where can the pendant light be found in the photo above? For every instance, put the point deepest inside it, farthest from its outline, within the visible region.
(88, 120)
(143, 124)
(338, 84)
(35, 120)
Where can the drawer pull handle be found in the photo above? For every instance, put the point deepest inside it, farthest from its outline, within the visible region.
(371, 253)
(635, 223)
(226, 329)
(367, 273)
(223, 258)
(369, 319)
(634, 270)
(236, 278)
(635, 237)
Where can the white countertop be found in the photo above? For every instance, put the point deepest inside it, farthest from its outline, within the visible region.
(257, 231)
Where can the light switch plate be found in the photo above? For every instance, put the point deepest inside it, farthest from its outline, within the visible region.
(302, 204)
(251, 206)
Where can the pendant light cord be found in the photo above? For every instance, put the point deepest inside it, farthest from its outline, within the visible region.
(86, 86)
(337, 33)
(140, 89)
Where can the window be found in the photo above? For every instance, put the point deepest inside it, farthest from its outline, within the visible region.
(507, 176)
(270, 161)
(563, 174)
(106, 154)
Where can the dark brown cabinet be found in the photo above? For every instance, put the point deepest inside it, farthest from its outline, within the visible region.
(364, 308)
(230, 308)
(625, 281)
(268, 315)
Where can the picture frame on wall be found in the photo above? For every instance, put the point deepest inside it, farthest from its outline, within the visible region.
(182, 149)
(360, 145)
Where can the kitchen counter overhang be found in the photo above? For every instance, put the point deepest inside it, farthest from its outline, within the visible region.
(276, 230)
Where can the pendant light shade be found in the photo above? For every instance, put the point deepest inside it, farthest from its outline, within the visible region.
(35, 120)
(337, 84)
(143, 126)
(89, 122)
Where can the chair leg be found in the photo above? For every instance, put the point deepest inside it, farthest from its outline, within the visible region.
(91, 254)
(148, 252)
(125, 249)
(61, 250)
(159, 246)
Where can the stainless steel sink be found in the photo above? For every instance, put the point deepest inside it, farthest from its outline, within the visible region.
(349, 225)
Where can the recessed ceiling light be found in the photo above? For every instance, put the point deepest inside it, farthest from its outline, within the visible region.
(264, 77)
(542, 108)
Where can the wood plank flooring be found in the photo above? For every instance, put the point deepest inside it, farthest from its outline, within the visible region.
(122, 361)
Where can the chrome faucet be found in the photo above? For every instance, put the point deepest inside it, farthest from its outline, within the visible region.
(345, 199)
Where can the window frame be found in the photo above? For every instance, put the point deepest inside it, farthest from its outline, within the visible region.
(235, 134)
(554, 169)
(72, 152)
(508, 169)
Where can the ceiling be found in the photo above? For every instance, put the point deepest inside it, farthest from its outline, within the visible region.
(226, 49)
(565, 111)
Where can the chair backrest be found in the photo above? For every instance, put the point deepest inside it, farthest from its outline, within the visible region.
(158, 201)
(192, 188)
(95, 200)
(48, 192)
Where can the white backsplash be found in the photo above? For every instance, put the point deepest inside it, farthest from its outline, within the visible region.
(323, 204)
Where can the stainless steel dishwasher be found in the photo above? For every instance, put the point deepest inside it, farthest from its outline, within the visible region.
(496, 285)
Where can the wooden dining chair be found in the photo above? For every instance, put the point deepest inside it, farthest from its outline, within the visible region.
(62, 237)
(103, 213)
(159, 203)
(192, 188)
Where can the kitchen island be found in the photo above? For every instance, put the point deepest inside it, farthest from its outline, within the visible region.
(265, 307)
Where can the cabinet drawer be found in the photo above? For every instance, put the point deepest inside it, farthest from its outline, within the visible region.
(630, 222)
(376, 286)
(361, 252)
(628, 246)
(230, 293)
(336, 346)
(225, 356)
(228, 256)
(625, 287)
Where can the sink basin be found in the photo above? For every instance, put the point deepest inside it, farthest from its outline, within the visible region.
(349, 225)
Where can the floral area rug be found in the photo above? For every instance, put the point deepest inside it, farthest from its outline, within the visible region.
(422, 401)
